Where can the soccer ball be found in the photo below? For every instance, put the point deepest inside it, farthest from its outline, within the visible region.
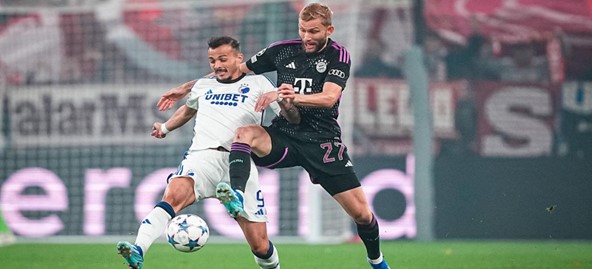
(187, 233)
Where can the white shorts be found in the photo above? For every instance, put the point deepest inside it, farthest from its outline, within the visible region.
(209, 167)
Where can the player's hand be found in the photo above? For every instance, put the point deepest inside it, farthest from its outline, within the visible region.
(171, 97)
(156, 132)
(286, 93)
(264, 101)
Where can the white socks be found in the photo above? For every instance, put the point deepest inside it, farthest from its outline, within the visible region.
(273, 262)
(152, 227)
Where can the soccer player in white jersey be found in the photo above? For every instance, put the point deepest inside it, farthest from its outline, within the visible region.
(220, 104)
(317, 68)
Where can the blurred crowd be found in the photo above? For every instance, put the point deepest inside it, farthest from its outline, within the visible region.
(478, 59)
(162, 45)
(543, 61)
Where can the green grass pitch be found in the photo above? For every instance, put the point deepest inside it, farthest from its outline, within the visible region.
(400, 254)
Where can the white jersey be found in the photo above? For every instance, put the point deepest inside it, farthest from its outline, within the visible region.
(224, 107)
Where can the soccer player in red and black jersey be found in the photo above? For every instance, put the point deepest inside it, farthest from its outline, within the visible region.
(312, 73)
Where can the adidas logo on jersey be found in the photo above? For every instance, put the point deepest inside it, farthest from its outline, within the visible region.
(260, 212)
(349, 164)
(291, 65)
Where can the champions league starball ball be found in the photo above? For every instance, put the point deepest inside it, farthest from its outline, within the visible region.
(187, 233)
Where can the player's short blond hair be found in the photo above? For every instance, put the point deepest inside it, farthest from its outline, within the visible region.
(317, 11)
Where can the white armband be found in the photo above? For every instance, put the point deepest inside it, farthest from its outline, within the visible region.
(163, 129)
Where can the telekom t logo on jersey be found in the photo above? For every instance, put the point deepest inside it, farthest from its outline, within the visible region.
(302, 85)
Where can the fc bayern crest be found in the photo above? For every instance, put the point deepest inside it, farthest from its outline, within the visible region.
(321, 66)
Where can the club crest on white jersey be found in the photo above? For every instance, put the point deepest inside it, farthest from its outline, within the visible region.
(224, 107)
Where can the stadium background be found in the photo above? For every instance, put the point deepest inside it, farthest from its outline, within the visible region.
(511, 159)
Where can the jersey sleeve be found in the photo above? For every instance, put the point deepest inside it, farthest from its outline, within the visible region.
(275, 108)
(267, 86)
(263, 61)
(192, 100)
(339, 67)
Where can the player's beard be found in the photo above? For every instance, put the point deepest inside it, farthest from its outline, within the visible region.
(320, 44)
(227, 74)
(230, 74)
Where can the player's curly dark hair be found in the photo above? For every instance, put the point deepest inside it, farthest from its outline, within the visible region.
(218, 41)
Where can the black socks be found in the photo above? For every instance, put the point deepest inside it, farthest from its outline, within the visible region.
(240, 165)
(369, 234)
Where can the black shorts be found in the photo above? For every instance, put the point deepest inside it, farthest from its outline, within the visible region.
(328, 163)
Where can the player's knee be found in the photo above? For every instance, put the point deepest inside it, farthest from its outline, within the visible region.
(179, 193)
(175, 201)
(246, 134)
(362, 216)
(260, 247)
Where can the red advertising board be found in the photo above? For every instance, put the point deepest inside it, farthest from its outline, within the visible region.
(515, 120)
(383, 118)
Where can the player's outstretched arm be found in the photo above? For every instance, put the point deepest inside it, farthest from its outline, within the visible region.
(172, 96)
(326, 99)
(265, 100)
(178, 119)
(284, 96)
